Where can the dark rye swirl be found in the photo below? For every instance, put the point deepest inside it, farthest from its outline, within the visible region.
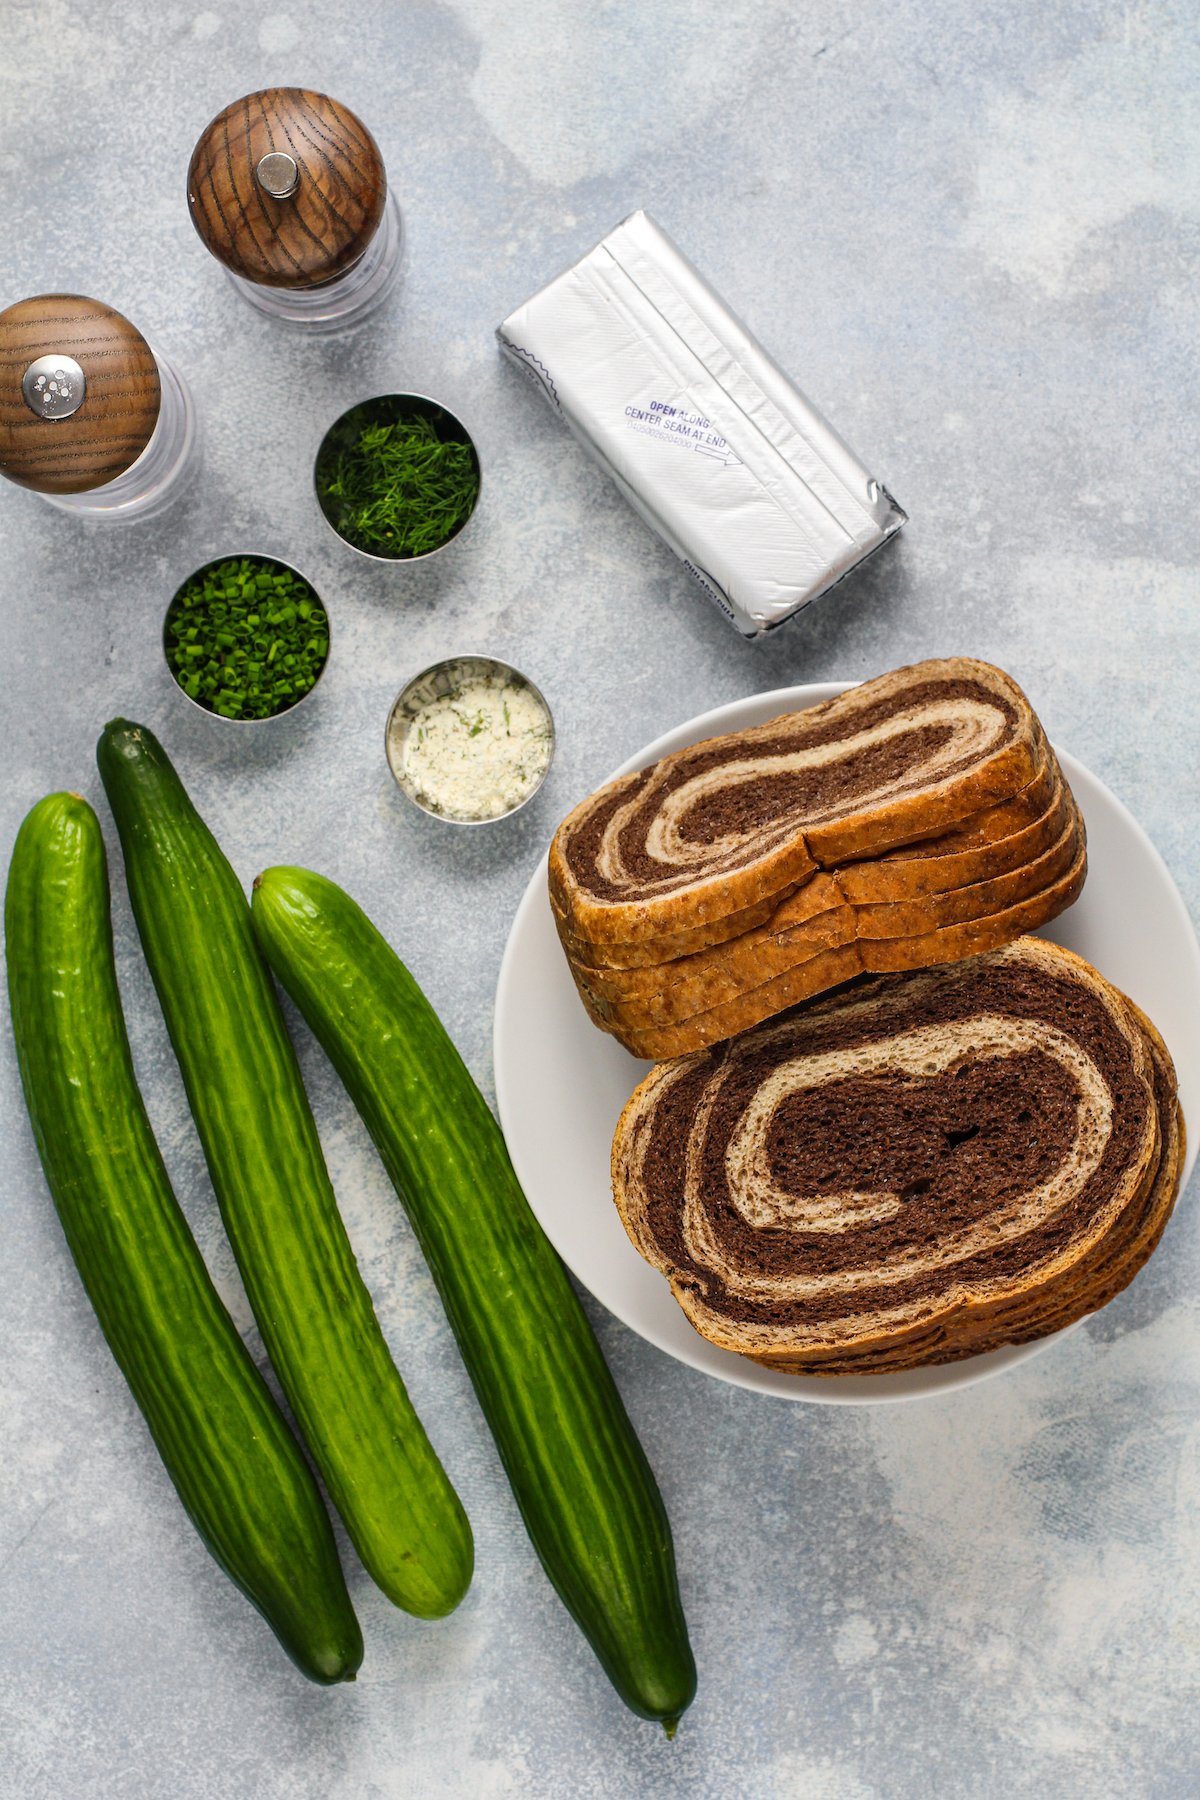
(925, 1167)
(713, 831)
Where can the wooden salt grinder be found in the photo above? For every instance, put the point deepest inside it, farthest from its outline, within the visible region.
(90, 416)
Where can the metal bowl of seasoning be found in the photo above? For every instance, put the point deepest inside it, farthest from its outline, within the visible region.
(470, 740)
(397, 477)
(246, 638)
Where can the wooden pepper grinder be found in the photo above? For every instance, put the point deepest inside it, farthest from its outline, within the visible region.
(287, 189)
(91, 417)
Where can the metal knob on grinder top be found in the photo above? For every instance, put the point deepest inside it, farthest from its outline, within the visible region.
(287, 189)
(91, 417)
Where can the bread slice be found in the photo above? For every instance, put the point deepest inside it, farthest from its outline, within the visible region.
(1102, 1275)
(693, 973)
(1003, 838)
(815, 918)
(920, 1168)
(979, 899)
(653, 1029)
(724, 825)
(664, 946)
(991, 844)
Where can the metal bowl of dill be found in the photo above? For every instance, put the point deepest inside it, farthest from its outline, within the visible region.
(397, 477)
(246, 638)
(470, 740)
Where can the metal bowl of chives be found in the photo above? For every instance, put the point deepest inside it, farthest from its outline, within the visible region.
(397, 478)
(445, 682)
(246, 638)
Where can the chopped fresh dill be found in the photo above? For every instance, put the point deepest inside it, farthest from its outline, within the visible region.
(395, 479)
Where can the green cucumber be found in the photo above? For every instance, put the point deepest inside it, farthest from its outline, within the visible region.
(586, 1493)
(280, 1212)
(235, 1465)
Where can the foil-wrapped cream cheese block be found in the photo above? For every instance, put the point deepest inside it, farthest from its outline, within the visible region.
(706, 437)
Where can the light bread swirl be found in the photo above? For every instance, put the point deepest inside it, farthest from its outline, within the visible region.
(924, 1167)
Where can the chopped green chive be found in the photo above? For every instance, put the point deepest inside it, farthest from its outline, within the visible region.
(220, 654)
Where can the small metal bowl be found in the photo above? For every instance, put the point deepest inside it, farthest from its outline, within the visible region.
(387, 409)
(258, 556)
(439, 682)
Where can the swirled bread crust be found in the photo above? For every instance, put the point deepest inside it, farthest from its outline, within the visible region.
(925, 1167)
(752, 872)
(986, 844)
(818, 917)
(720, 826)
(729, 992)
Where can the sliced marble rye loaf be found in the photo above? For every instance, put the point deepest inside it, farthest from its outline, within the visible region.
(780, 967)
(998, 838)
(873, 776)
(924, 1167)
(726, 824)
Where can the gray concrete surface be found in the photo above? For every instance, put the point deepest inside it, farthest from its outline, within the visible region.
(970, 232)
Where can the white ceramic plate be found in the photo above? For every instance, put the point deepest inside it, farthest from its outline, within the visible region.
(561, 1084)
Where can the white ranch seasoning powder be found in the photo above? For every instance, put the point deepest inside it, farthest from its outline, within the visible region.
(479, 751)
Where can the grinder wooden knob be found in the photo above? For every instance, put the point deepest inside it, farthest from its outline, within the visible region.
(287, 188)
(79, 393)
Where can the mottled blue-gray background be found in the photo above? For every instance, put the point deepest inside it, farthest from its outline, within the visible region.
(970, 231)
